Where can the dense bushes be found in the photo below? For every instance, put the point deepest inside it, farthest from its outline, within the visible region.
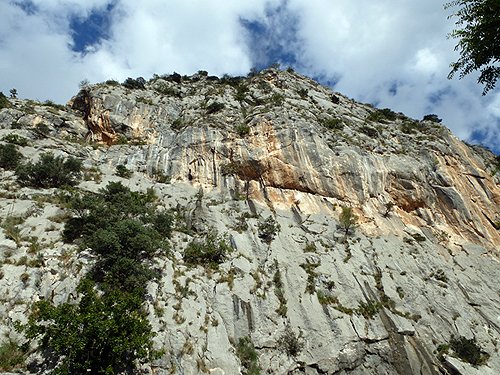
(107, 331)
(102, 334)
(382, 115)
(9, 156)
(211, 252)
(4, 102)
(50, 171)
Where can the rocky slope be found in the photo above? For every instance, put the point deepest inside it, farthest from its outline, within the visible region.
(234, 154)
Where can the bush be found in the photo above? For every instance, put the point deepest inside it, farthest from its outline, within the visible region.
(107, 331)
(245, 350)
(242, 129)
(268, 229)
(333, 124)
(214, 107)
(50, 171)
(4, 102)
(15, 139)
(468, 350)
(135, 84)
(290, 343)
(382, 115)
(12, 356)
(123, 171)
(347, 220)
(432, 118)
(9, 156)
(102, 334)
(211, 252)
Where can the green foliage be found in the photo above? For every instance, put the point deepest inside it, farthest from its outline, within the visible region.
(478, 22)
(12, 356)
(279, 290)
(51, 103)
(432, 118)
(333, 123)
(111, 205)
(302, 93)
(102, 334)
(277, 99)
(112, 82)
(9, 156)
(50, 171)
(107, 331)
(135, 84)
(268, 229)
(468, 350)
(347, 220)
(241, 92)
(123, 171)
(290, 343)
(211, 252)
(15, 139)
(214, 108)
(4, 102)
(368, 309)
(410, 126)
(388, 208)
(382, 115)
(245, 350)
(242, 129)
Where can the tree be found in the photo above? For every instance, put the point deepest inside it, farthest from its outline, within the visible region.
(347, 219)
(102, 334)
(50, 171)
(478, 31)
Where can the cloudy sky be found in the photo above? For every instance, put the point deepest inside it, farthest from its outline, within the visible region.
(391, 53)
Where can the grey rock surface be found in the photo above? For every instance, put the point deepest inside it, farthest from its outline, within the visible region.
(376, 301)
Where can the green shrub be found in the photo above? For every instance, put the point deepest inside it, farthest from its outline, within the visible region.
(242, 129)
(290, 343)
(50, 171)
(123, 171)
(333, 123)
(15, 139)
(382, 115)
(214, 108)
(135, 84)
(4, 102)
(107, 331)
(9, 156)
(302, 93)
(347, 220)
(432, 118)
(112, 82)
(268, 229)
(277, 99)
(102, 334)
(468, 350)
(245, 350)
(211, 252)
(369, 131)
(12, 356)
(368, 309)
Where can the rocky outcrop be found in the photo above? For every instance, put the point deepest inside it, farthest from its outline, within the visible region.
(233, 152)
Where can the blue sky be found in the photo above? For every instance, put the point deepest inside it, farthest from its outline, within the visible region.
(391, 54)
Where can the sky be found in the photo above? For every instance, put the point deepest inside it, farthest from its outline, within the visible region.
(390, 53)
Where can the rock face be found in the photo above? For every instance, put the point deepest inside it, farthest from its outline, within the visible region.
(420, 266)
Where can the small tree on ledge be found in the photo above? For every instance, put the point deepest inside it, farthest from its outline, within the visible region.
(347, 220)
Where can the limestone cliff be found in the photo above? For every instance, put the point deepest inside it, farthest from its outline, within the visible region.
(420, 266)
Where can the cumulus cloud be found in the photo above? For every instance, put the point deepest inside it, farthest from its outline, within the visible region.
(392, 55)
